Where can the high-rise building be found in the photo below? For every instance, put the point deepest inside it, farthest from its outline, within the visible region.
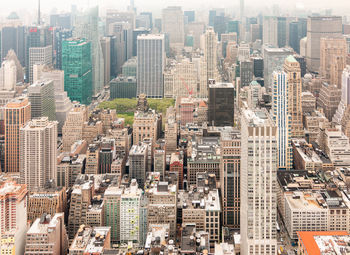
(87, 27)
(317, 28)
(329, 99)
(333, 59)
(273, 61)
(17, 113)
(150, 65)
(72, 130)
(77, 67)
(63, 20)
(13, 37)
(59, 36)
(132, 225)
(177, 166)
(38, 137)
(246, 72)
(13, 214)
(292, 69)
(282, 117)
(258, 183)
(138, 163)
(173, 25)
(62, 103)
(342, 115)
(113, 16)
(124, 42)
(41, 96)
(146, 125)
(230, 162)
(220, 104)
(162, 205)
(136, 32)
(112, 199)
(171, 130)
(297, 31)
(191, 16)
(281, 32)
(40, 37)
(210, 53)
(47, 235)
(270, 31)
(9, 74)
(106, 51)
(39, 56)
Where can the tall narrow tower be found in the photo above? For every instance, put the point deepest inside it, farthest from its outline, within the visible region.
(241, 10)
(258, 183)
(292, 69)
(38, 12)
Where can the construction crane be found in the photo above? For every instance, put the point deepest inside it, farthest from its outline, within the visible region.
(190, 92)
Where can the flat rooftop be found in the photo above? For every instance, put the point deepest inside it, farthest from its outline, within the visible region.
(325, 242)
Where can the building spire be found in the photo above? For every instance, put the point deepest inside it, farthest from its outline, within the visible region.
(38, 12)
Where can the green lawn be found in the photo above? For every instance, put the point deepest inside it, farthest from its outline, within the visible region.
(126, 107)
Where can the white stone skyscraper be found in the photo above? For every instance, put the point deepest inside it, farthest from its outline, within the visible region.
(38, 152)
(173, 25)
(150, 65)
(281, 116)
(258, 183)
(86, 26)
(210, 53)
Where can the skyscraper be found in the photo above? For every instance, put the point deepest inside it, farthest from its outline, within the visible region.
(230, 170)
(282, 118)
(41, 96)
(39, 41)
(297, 31)
(210, 53)
(11, 72)
(13, 214)
(138, 163)
(220, 104)
(292, 69)
(106, 51)
(77, 66)
(173, 25)
(150, 65)
(17, 113)
(39, 56)
(342, 115)
(273, 61)
(333, 54)
(317, 28)
(270, 31)
(86, 26)
(258, 183)
(13, 37)
(38, 153)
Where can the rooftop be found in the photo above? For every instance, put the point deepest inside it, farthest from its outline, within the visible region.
(222, 85)
(199, 198)
(42, 225)
(325, 242)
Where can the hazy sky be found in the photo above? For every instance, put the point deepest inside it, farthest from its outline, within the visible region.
(155, 5)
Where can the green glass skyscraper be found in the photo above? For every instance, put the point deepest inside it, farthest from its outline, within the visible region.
(77, 66)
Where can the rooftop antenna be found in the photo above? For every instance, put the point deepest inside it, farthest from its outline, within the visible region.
(38, 12)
